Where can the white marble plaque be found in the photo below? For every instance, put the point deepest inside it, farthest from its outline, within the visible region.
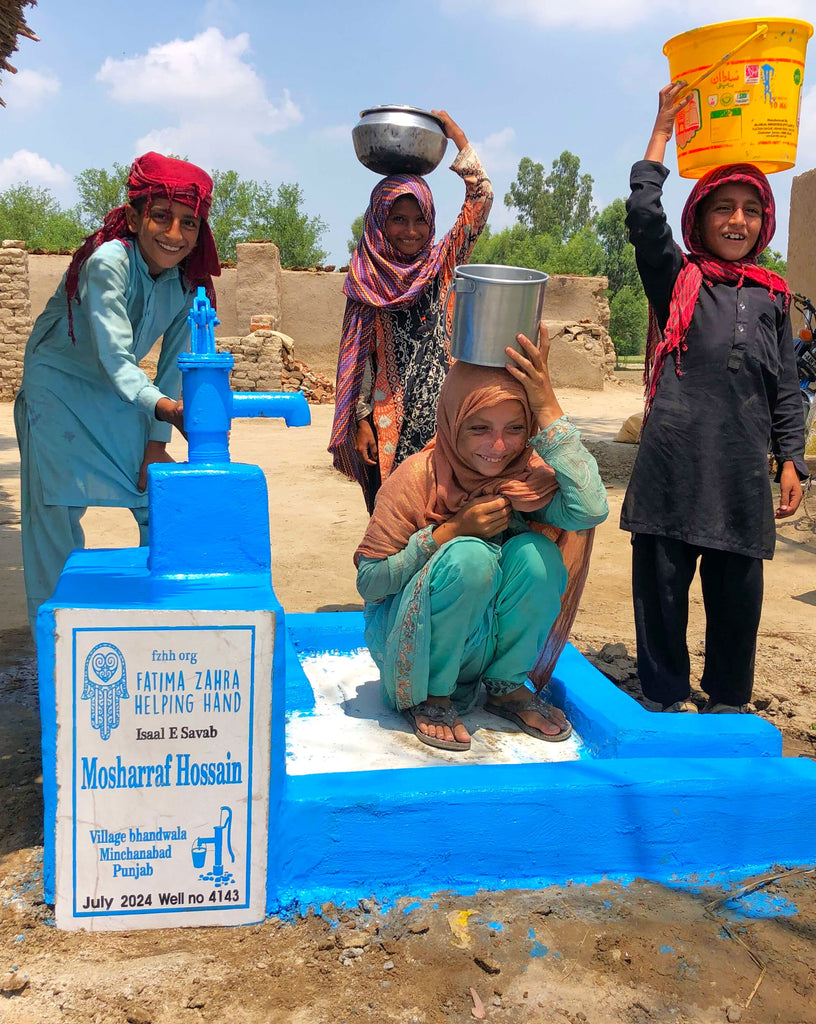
(163, 754)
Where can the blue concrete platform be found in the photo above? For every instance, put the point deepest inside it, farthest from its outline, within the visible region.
(667, 797)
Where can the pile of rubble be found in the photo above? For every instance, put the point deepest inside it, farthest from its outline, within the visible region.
(296, 376)
(615, 662)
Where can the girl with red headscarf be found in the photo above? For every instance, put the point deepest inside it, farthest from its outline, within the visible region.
(88, 419)
(720, 386)
(394, 351)
(459, 588)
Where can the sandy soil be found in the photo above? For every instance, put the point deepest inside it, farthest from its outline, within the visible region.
(608, 953)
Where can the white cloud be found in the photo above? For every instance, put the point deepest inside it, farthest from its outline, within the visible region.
(603, 15)
(218, 98)
(219, 12)
(35, 169)
(334, 133)
(28, 90)
(497, 151)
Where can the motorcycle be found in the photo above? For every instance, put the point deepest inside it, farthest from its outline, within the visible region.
(804, 347)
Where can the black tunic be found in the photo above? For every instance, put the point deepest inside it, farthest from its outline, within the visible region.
(701, 473)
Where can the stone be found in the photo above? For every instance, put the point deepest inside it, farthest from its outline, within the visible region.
(611, 651)
(13, 982)
(350, 938)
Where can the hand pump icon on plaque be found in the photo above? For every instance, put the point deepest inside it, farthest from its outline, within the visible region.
(222, 832)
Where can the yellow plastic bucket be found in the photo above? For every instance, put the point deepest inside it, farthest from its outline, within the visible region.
(746, 110)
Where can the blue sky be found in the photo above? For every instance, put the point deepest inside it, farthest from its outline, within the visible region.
(272, 90)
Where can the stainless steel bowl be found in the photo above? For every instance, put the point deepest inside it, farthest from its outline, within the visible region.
(395, 139)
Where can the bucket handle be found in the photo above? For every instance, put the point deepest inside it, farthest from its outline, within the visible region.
(458, 284)
(760, 31)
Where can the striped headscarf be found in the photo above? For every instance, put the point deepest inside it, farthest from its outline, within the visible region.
(154, 176)
(379, 277)
(700, 265)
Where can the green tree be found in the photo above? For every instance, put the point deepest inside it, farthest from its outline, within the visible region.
(232, 211)
(773, 260)
(356, 233)
(619, 253)
(34, 215)
(99, 192)
(628, 321)
(243, 209)
(278, 215)
(582, 253)
(559, 204)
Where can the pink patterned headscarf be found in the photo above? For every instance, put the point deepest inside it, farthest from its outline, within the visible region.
(379, 277)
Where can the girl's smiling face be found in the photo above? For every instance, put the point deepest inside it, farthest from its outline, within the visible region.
(165, 231)
(489, 440)
(730, 220)
(405, 226)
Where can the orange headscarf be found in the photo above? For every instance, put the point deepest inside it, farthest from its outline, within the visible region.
(433, 485)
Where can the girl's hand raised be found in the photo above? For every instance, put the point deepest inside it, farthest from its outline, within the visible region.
(530, 368)
(451, 129)
(668, 107)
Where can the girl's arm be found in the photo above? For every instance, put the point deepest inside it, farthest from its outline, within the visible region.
(658, 258)
(580, 501)
(377, 578)
(669, 106)
(787, 427)
(168, 377)
(478, 193)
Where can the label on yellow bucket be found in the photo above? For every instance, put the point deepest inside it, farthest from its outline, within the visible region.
(747, 109)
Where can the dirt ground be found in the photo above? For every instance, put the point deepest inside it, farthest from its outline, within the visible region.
(606, 954)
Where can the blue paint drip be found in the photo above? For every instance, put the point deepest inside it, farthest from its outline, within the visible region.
(412, 906)
(667, 949)
(759, 906)
(537, 950)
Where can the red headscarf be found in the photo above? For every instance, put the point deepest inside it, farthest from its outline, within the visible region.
(701, 265)
(156, 176)
(433, 485)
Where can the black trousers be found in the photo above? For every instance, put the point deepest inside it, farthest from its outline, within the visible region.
(662, 571)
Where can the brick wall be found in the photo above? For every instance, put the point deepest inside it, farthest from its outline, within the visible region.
(15, 316)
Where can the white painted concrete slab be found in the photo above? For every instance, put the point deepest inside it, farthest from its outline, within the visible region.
(350, 729)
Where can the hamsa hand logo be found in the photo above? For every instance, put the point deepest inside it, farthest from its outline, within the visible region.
(104, 686)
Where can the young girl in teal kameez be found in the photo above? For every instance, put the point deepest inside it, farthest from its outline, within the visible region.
(88, 419)
(459, 589)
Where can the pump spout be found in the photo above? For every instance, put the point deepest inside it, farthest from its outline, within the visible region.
(210, 404)
(291, 407)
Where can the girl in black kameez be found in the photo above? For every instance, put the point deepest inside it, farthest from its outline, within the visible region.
(721, 386)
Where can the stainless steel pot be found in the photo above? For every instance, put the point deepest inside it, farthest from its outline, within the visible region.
(493, 305)
(395, 139)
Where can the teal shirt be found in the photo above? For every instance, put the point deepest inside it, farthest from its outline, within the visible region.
(578, 504)
(91, 409)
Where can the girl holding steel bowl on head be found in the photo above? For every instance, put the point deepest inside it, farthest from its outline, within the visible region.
(394, 351)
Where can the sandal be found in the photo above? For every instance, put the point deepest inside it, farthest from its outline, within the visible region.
(436, 714)
(715, 708)
(511, 710)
